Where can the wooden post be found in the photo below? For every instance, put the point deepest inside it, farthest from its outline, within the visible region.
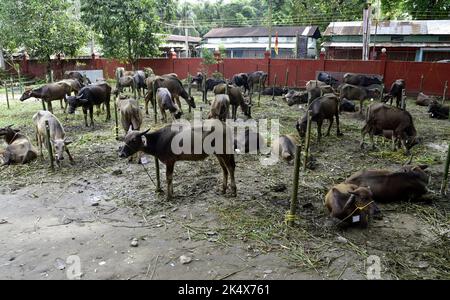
(20, 81)
(273, 87)
(189, 88)
(404, 99)
(259, 94)
(287, 78)
(51, 76)
(446, 169)
(421, 83)
(49, 145)
(290, 218)
(6, 91)
(205, 98)
(116, 119)
(445, 92)
(155, 110)
(12, 87)
(308, 138)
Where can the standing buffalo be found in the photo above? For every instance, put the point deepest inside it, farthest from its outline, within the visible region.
(84, 80)
(381, 118)
(209, 84)
(362, 80)
(89, 96)
(220, 108)
(236, 99)
(407, 183)
(396, 92)
(323, 108)
(58, 138)
(159, 144)
(241, 80)
(139, 82)
(165, 102)
(49, 93)
(254, 78)
(19, 149)
(130, 114)
(361, 93)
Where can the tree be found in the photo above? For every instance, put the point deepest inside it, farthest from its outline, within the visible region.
(42, 28)
(416, 9)
(126, 27)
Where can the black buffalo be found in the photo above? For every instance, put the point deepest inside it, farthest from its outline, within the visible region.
(362, 80)
(241, 80)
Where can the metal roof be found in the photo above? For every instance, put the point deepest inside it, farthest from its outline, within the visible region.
(415, 27)
(180, 38)
(387, 45)
(311, 31)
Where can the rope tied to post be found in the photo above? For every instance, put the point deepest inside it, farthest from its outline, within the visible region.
(358, 208)
(289, 218)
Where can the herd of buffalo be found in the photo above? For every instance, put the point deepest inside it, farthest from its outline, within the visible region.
(353, 202)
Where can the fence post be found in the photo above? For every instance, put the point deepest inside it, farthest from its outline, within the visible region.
(116, 118)
(273, 87)
(189, 87)
(20, 81)
(12, 87)
(291, 217)
(404, 99)
(155, 110)
(421, 83)
(6, 91)
(286, 78)
(445, 92)
(259, 94)
(446, 169)
(308, 138)
(49, 145)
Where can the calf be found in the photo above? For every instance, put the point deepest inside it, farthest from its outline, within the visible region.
(285, 147)
(82, 79)
(396, 92)
(89, 96)
(49, 93)
(438, 111)
(353, 92)
(220, 108)
(351, 204)
(323, 108)
(58, 138)
(130, 114)
(165, 102)
(159, 144)
(19, 149)
(381, 117)
(236, 99)
(407, 183)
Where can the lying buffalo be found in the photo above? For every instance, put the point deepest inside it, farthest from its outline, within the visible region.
(241, 80)
(327, 78)
(236, 99)
(19, 149)
(323, 108)
(438, 111)
(353, 92)
(89, 96)
(396, 92)
(159, 144)
(276, 91)
(296, 97)
(424, 100)
(407, 183)
(351, 204)
(362, 80)
(347, 106)
(381, 117)
(285, 147)
(49, 93)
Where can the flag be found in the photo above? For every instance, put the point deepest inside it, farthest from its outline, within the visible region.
(276, 43)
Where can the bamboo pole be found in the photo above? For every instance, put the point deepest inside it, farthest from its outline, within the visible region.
(286, 78)
(273, 87)
(189, 88)
(6, 91)
(404, 99)
(421, 83)
(445, 92)
(291, 217)
(116, 119)
(49, 145)
(155, 110)
(446, 169)
(308, 138)
(205, 98)
(259, 94)
(20, 81)
(12, 87)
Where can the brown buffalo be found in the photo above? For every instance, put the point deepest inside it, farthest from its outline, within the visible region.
(351, 204)
(220, 108)
(381, 117)
(424, 100)
(396, 92)
(236, 99)
(19, 149)
(407, 183)
(159, 144)
(353, 92)
(165, 102)
(49, 93)
(323, 108)
(285, 147)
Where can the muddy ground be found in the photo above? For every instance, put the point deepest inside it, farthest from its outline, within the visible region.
(95, 209)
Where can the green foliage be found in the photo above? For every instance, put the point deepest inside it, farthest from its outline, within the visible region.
(208, 57)
(126, 27)
(43, 28)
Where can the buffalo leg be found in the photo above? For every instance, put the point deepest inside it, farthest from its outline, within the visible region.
(91, 115)
(169, 179)
(70, 156)
(329, 127)
(231, 165)
(338, 130)
(49, 106)
(146, 104)
(108, 111)
(163, 114)
(319, 130)
(363, 135)
(372, 141)
(85, 117)
(177, 100)
(361, 106)
(225, 174)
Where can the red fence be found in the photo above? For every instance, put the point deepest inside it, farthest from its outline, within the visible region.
(298, 71)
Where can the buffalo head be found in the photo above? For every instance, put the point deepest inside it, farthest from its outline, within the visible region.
(60, 148)
(74, 102)
(191, 101)
(26, 95)
(134, 142)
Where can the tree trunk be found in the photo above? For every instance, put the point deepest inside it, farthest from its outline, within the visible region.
(2, 59)
(49, 69)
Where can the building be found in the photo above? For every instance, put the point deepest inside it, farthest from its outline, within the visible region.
(178, 44)
(252, 42)
(427, 40)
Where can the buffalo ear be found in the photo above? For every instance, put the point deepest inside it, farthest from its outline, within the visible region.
(9, 126)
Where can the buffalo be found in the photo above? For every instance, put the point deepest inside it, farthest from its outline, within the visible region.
(361, 93)
(396, 92)
(19, 149)
(241, 80)
(438, 111)
(362, 80)
(236, 99)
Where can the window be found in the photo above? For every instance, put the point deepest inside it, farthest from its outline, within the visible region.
(445, 38)
(255, 39)
(397, 38)
(290, 38)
